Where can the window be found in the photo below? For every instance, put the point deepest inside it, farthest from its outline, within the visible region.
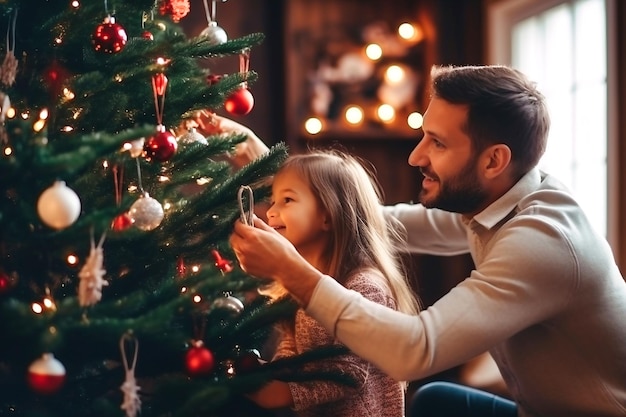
(562, 45)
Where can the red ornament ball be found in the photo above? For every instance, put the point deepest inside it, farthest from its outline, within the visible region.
(199, 360)
(46, 375)
(5, 283)
(121, 222)
(247, 361)
(162, 146)
(109, 37)
(240, 102)
(147, 35)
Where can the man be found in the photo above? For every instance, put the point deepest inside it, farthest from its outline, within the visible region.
(546, 298)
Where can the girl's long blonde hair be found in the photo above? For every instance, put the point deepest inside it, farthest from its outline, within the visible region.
(361, 236)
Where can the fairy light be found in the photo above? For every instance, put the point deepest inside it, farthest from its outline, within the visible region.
(313, 125)
(24, 115)
(105, 164)
(118, 78)
(373, 51)
(197, 299)
(11, 113)
(386, 113)
(8, 151)
(75, 4)
(394, 74)
(167, 206)
(58, 41)
(38, 125)
(72, 259)
(195, 268)
(354, 115)
(43, 114)
(49, 304)
(164, 178)
(162, 61)
(68, 94)
(203, 181)
(415, 120)
(406, 30)
(67, 128)
(183, 290)
(37, 308)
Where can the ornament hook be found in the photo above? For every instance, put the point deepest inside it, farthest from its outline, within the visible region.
(247, 217)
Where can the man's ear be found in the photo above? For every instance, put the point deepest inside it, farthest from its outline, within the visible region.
(497, 158)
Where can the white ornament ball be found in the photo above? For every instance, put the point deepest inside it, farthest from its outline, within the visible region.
(58, 206)
(46, 375)
(146, 213)
(215, 34)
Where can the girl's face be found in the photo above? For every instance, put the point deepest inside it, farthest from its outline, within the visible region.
(296, 214)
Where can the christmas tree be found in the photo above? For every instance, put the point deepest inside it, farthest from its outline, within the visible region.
(118, 291)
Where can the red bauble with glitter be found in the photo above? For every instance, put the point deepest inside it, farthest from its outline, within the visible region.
(175, 8)
(240, 102)
(46, 375)
(199, 360)
(109, 37)
(162, 146)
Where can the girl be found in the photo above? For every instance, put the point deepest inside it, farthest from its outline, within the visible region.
(328, 206)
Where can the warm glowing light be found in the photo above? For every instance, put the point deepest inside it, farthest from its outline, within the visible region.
(75, 4)
(48, 303)
(197, 298)
(37, 308)
(118, 78)
(67, 128)
(415, 120)
(163, 178)
(38, 125)
(167, 206)
(127, 146)
(43, 114)
(161, 26)
(354, 115)
(11, 113)
(68, 94)
(24, 115)
(8, 151)
(386, 113)
(195, 268)
(313, 125)
(406, 31)
(105, 164)
(373, 51)
(203, 181)
(72, 259)
(183, 290)
(394, 74)
(410, 32)
(162, 61)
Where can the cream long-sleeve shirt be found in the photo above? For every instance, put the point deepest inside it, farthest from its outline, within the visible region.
(546, 299)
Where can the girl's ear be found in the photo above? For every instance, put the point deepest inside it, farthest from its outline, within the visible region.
(326, 224)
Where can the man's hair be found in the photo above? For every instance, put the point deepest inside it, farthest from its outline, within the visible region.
(504, 106)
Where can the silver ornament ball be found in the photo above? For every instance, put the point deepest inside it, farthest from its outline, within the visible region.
(146, 213)
(215, 34)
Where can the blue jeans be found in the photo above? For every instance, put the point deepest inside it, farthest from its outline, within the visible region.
(445, 399)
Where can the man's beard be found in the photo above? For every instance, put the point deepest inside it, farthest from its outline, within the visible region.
(459, 194)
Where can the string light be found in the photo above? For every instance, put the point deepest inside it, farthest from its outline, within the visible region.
(37, 308)
(354, 115)
(386, 113)
(197, 299)
(373, 51)
(313, 125)
(415, 120)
